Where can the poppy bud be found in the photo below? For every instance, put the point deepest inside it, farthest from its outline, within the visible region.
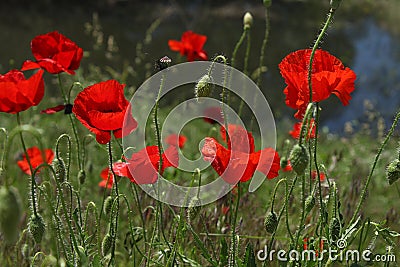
(309, 203)
(335, 229)
(82, 176)
(247, 20)
(299, 158)
(335, 4)
(108, 205)
(203, 87)
(267, 3)
(393, 171)
(271, 222)
(193, 209)
(10, 213)
(59, 167)
(106, 244)
(37, 227)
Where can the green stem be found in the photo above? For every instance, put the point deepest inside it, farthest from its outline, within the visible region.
(246, 64)
(33, 197)
(237, 46)
(233, 242)
(360, 202)
(319, 38)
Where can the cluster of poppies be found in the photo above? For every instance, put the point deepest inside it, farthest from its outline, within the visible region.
(103, 109)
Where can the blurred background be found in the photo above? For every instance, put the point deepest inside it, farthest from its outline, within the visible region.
(365, 36)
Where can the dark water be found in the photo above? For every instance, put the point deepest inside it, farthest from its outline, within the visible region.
(363, 38)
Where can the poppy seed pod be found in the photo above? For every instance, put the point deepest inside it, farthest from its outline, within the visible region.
(204, 87)
(59, 167)
(37, 227)
(299, 158)
(334, 228)
(193, 209)
(247, 20)
(271, 222)
(10, 213)
(309, 203)
(393, 171)
(267, 3)
(106, 244)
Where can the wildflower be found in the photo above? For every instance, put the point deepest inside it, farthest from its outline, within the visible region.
(55, 53)
(142, 167)
(299, 158)
(247, 20)
(271, 222)
(176, 140)
(107, 180)
(37, 227)
(329, 76)
(102, 107)
(18, 93)
(240, 161)
(191, 46)
(295, 133)
(203, 87)
(35, 158)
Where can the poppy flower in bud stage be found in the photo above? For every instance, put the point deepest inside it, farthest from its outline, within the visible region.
(176, 140)
(190, 45)
(239, 161)
(106, 175)
(55, 53)
(143, 166)
(295, 133)
(102, 107)
(329, 76)
(18, 93)
(36, 158)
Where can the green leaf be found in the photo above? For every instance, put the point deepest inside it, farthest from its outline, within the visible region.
(249, 259)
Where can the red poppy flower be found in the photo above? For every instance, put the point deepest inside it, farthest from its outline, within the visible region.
(239, 162)
(329, 76)
(295, 133)
(35, 158)
(106, 175)
(55, 53)
(174, 139)
(314, 175)
(191, 46)
(101, 108)
(213, 115)
(142, 167)
(18, 93)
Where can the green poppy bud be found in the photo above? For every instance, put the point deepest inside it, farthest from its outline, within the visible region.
(59, 167)
(204, 87)
(108, 205)
(37, 227)
(271, 222)
(247, 20)
(106, 244)
(393, 171)
(299, 159)
(284, 162)
(335, 4)
(10, 213)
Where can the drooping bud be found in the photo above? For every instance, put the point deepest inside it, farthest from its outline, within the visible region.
(108, 205)
(335, 4)
(309, 203)
(193, 209)
(247, 20)
(335, 229)
(271, 222)
(81, 176)
(393, 171)
(59, 167)
(299, 158)
(10, 213)
(204, 87)
(106, 244)
(37, 227)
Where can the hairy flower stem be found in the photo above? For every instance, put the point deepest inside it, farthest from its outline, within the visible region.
(33, 196)
(303, 210)
(316, 43)
(115, 185)
(362, 197)
(232, 256)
